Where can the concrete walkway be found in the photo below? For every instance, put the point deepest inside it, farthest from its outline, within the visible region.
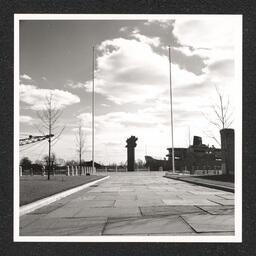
(140, 203)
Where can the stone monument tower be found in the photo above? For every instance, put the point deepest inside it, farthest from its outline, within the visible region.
(228, 150)
(131, 144)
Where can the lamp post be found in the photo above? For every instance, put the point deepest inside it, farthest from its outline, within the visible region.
(171, 102)
(93, 107)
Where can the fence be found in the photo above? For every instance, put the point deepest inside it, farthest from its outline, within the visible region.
(66, 170)
(120, 169)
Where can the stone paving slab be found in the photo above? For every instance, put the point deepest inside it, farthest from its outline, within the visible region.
(47, 209)
(210, 223)
(211, 192)
(91, 203)
(126, 204)
(154, 202)
(129, 226)
(224, 201)
(136, 204)
(195, 234)
(169, 210)
(108, 212)
(189, 202)
(28, 219)
(86, 197)
(65, 212)
(126, 197)
(66, 227)
(219, 210)
(226, 196)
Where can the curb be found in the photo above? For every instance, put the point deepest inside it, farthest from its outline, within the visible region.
(48, 200)
(208, 185)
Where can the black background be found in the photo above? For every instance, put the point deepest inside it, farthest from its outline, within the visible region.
(8, 8)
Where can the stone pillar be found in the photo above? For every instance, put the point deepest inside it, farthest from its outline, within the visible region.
(72, 170)
(68, 171)
(228, 150)
(20, 170)
(131, 144)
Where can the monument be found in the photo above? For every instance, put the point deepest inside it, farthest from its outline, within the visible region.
(228, 150)
(131, 144)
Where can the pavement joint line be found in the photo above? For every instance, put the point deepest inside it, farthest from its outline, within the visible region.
(104, 227)
(25, 209)
(203, 209)
(185, 222)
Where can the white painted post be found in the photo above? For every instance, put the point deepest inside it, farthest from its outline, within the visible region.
(68, 174)
(43, 170)
(72, 170)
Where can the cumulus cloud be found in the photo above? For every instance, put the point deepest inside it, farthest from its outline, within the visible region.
(25, 77)
(206, 33)
(155, 41)
(75, 85)
(129, 71)
(35, 97)
(213, 39)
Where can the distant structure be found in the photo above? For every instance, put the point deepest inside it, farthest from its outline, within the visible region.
(228, 150)
(131, 144)
(196, 157)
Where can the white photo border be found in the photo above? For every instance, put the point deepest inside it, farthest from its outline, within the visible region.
(237, 124)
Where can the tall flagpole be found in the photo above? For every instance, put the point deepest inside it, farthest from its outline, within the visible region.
(93, 108)
(170, 65)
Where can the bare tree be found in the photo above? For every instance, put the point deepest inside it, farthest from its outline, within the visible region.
(49, 117)
(80, 144)
(222, 114)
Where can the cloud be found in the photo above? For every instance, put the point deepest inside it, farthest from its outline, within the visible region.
(155, 41)
(75, 85)
(224, 68)
(151, 125)
(123, 29)
(162, 23)
(105, 105)
(35, 97)
(25, 119)
(25, 77)
(206, 33)
(129, 71)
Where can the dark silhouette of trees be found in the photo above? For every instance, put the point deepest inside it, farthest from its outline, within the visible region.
(26, 163)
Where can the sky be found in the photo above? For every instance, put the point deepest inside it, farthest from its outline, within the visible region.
(132, 82)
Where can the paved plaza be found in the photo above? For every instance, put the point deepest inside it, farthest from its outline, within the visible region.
(135, 203)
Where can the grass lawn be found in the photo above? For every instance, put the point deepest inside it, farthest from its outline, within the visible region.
(33, 188)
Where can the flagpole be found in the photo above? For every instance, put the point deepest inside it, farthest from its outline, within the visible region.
(93, 108)
(170, 65)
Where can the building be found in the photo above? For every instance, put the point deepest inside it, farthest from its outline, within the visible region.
(196, 157)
